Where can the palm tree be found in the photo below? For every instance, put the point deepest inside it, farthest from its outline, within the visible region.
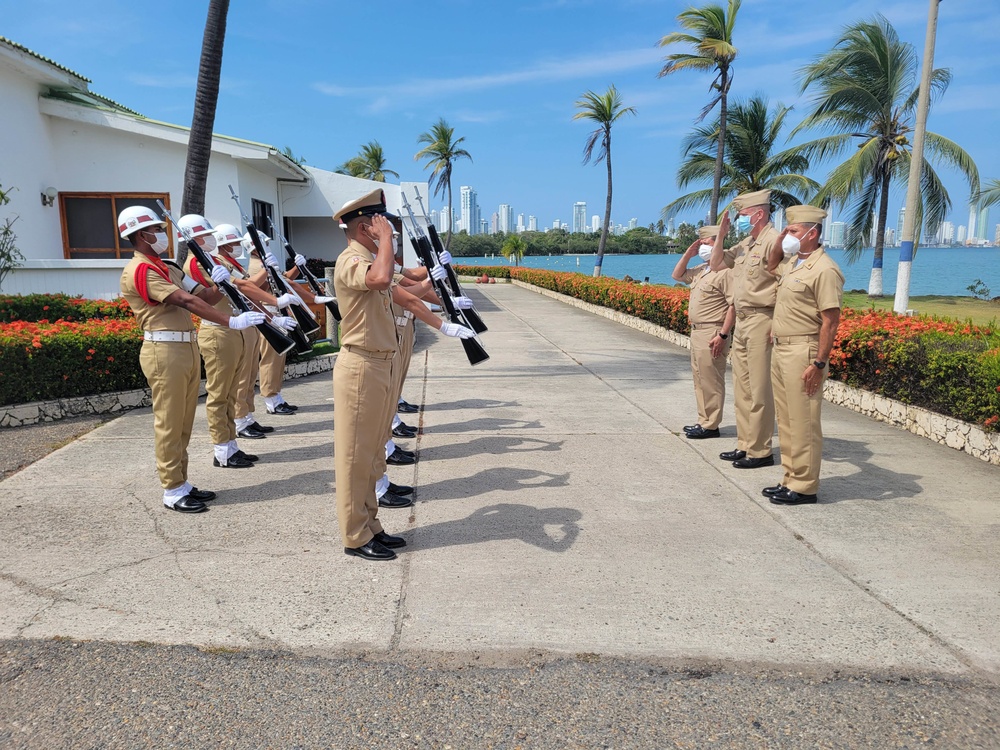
(991, 195)
(206, 96)
(711, 39)
(604, 109)
(441, 151)
(514, 248)
(750, 163)
(866, 93)
(369, 164)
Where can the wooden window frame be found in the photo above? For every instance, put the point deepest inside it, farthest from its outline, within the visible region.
(115, 210)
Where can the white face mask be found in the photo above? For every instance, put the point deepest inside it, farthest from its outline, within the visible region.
(159, 243)
(790, 245)
(207, 242)
(705, 252)
(395, 245)
(397, 268)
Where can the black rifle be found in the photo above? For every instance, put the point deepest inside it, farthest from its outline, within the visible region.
(276, 337)
(332, 306)
(306, 322)
(473, 349)
(475, 321)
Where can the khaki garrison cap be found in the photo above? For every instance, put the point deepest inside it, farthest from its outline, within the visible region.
(804, 215)
(712, 230)
(367, 205)
(750, 200)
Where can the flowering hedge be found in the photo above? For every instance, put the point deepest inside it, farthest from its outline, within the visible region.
(945, 366)
(495, 272)
(37, 307)
(43, 361)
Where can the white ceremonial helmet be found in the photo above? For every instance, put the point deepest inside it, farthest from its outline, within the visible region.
(248, 241)
(227, 234)
(198, 225)
(134, 218)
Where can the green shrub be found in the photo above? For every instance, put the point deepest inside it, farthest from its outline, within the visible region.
(37, 307)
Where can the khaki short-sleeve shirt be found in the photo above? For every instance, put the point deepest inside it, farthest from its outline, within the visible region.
(368, 322)
(711, 294)
(144, 284)
(196, 272)
(753, 285)
(804, 292)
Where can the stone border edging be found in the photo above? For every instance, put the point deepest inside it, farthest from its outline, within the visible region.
(19, 415)
(954, 433)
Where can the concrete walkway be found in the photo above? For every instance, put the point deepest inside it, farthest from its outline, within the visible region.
(558, 509)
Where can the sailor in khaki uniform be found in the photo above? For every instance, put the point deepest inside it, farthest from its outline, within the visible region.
(753, 299)
(163, 299)
(806, 316)
(711, 314)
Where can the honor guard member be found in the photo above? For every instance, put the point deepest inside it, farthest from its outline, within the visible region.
(753, 299)
(222, 350)
(363, 373)
(163, 300)
(806, 316)
(711, 314)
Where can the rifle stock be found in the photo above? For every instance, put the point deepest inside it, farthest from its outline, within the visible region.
(475, 321)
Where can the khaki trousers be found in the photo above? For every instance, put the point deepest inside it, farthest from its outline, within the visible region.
(272, 369)
(709, 374)
(222, 351)
(247, 377)
(173, 371)
(360, 389)
(406, 353)
(751, 358)
(799, 427)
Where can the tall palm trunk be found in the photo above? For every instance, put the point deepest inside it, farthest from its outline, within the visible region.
(875, 282)
(721, 150)
(205, 99)
(607, 210)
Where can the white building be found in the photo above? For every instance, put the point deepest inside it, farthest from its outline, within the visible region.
(95, 156)
(520, 223)
(961, 236)
(532, 224)
(579, 217)
(836, 236)
(470, 211)
(506, 219)
(595, 223)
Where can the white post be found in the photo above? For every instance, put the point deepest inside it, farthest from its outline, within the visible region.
(906, 250)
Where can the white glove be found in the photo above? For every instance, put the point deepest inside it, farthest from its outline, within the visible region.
(283, 321)
(457, 331)
(324, 300)
(270, 260)
(438, 273)
(300, 260)
(445, 258)
(463, 303)
(220, 274)
(288, 299)
(245, 320)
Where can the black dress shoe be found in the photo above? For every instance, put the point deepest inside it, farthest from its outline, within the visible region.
(245, 456)
(250, 434)
(234, 462)
(401, 432)
(389, 500)
(284, 409)
(260, 428)
(791, 497)
(374, 550)
(400, 489)
(733, 455)
(187, 504)
(405, 408)
(398, 458)
(293, 407)
(689, 427)
(390, 541)
(405, 452)
(772, 491)
(700, 433)
(754, 463)
(202, 496)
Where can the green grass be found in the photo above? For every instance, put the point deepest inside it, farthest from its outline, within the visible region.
(979, 311)
(318, 350)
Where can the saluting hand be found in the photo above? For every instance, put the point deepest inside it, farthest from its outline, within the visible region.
(381, 231)
(693, 249)
(724, 224)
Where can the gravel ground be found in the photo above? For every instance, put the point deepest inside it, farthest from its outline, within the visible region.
(65, 694)
(20, 446)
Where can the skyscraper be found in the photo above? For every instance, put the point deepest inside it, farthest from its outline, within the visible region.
(982, 233)
(470, 211)
(532, 224)
(495, 223)
(520, 223)
(506, 223)
(836, 238)
(899, 222)
(961, 236)
(434, 217)
(633, 223)
(595, 223)
(971, 229)
(446, 220)
(579, 217)
(484, 226)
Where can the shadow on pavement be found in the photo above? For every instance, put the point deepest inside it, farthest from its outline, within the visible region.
(486, 424)
(287, 455)
(471, 403)
(309, 483)
(870, 482)
(504, 521)
(495, 446)
(490, 480)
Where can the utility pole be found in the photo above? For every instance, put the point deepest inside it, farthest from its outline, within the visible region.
(906, 251)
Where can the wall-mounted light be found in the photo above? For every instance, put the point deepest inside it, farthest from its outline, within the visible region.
(49, 196)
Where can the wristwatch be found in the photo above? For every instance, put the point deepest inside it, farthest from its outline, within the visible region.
(819, 365)
(723, 336)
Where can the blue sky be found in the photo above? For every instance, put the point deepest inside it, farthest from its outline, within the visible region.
(324, 78)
